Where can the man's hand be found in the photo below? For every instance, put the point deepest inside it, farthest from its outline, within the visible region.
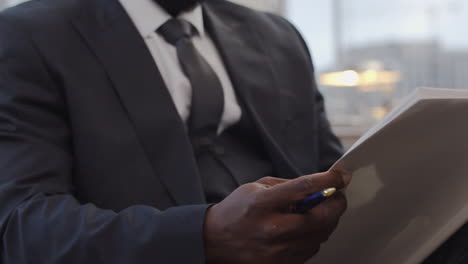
(255, 224)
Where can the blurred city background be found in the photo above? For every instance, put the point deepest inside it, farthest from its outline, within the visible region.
(369, 54)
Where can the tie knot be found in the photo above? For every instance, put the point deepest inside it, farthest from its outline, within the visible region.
(175, 29)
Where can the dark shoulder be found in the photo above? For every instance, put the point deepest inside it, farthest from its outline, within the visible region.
(275, 32)
(270, 24)
(40, 15)
(250, 15)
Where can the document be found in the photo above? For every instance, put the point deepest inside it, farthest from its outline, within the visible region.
(409, 188)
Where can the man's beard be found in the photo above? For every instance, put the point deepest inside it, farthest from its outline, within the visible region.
(175, 7)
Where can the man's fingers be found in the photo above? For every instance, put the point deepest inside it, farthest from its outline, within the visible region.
(328, 212)
(271, 181)
(333, 208)
(289, 192)
(346, 176)
(317, 223)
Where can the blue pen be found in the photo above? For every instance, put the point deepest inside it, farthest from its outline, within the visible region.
(314, 200)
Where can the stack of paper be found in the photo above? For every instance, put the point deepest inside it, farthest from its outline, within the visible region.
(409, 183)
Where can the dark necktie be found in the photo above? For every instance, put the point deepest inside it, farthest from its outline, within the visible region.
(207, 92)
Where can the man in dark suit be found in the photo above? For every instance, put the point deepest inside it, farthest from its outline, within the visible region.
(117, 136)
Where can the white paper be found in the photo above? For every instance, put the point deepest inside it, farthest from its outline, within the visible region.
(409, 189)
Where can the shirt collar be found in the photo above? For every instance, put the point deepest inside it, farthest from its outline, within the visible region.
(148, 16)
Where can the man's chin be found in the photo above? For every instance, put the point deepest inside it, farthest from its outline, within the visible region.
(175, 7)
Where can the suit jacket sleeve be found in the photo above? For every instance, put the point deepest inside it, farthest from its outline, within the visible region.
(330, 148)
(40, 219)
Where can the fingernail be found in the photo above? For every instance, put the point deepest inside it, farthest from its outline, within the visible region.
(346, 177)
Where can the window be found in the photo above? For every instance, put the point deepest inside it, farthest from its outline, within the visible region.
(369, 54)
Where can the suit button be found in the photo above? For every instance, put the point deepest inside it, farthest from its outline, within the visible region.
(218, 150)
(205, 142)
(201, 143)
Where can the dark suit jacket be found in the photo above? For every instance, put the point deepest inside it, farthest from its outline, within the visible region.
(95, 165)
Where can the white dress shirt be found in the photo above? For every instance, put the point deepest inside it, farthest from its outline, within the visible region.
(148, 16)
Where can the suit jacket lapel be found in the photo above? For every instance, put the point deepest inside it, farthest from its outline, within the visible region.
(252, 77)
(135, 76)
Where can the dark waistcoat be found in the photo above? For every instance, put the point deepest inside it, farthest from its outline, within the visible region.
(234, 158)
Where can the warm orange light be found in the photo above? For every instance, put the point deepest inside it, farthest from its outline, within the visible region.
(379, 112)
(363, 80)
(346, 78)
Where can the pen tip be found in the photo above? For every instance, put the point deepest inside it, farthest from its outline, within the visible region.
(329, 192)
